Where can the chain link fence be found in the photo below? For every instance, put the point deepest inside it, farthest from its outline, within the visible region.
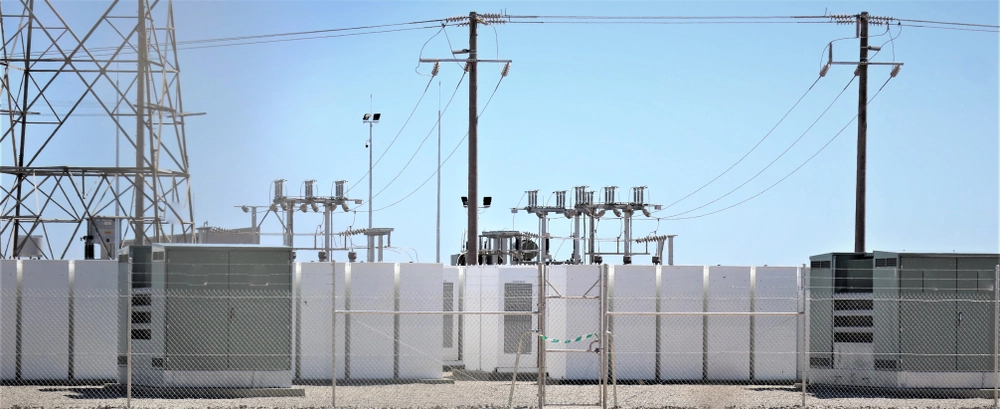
(72, 334)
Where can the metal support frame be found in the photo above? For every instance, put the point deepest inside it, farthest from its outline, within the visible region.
(48, 58)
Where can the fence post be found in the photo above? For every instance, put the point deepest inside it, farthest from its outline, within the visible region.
(804, 357)
(604, 337)
(996, 337)
(333, 334)
(541, 331)
(128, 335)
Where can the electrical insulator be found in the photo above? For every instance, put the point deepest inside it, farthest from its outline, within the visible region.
(309, 188)
(466, 68)
(340, 188)
(279, 189)
(506, 70)
(824, 70)
(532, 198)
(561, 199)
(895, 70)
(579, 194)
(436, 69)
(609, 194)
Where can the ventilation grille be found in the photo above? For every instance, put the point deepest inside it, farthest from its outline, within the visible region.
(889, 364)
(852, 305)
(820, 264)
(141, 299)
(885, 262)
(140, 333)
(141, 317)
(853, 337)
(821, 362)
(516, 297)
(852, 321)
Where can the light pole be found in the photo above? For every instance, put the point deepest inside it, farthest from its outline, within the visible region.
(371, 119)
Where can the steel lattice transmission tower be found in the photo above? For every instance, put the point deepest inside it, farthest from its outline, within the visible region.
(93, 120)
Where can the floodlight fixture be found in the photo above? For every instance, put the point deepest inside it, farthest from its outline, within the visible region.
(617, 212)
(487, 200)
(376, 116)
(304, 207)
(365, 117)
(245, 209)
(646, 212)
(465, 201)
(273, 208)
(344, 206)
(315, 208)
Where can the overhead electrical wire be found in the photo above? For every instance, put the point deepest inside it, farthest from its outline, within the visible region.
(429, 133)
(821, 115)
(367, 173)
(793, 170)
(237, 40)
(669, 22)
(751, 149)
(449, 155)
(947, 23)
(662, 17)
(954, 28)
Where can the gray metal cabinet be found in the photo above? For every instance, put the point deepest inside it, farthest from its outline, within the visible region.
(227, 308)
(975, 314)
(928, 314)
(259, 287)
(821, 311)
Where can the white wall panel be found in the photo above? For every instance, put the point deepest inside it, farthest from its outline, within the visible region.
(634, 336)
(729, 337)
(316, 321)
(776, 338)
(681, 346)
(95, 327)
(371, 352)
(420, 336)
(45, 320)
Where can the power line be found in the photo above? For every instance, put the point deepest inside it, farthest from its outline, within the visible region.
(194, 44)
(449, 155)
(669, 22)
(953, 28)
(457, 86)
(948, 23)
(782, 153)
(751, 149)
(790, 173)
(665, 17)
(394, 138)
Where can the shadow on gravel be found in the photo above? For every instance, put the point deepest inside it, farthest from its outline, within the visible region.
(118, 391)
(847, 392)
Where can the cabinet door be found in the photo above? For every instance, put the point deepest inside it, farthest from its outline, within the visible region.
(197, 311)
(261, 316)
(929, 318)
(975, 309)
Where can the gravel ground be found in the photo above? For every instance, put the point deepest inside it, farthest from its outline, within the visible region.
(484, 394)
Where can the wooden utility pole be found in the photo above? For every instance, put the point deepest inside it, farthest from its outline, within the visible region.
(472, 237)
(859, 208)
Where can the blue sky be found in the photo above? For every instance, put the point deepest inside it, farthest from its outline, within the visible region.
(666, 106)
